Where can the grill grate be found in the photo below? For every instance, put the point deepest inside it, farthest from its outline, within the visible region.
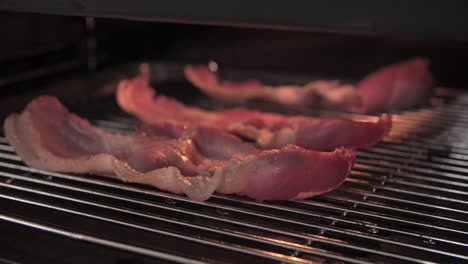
(405, 202)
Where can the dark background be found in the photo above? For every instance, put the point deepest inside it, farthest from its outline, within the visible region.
(30, 41)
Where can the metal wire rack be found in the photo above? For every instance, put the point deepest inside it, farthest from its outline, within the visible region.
(404, 202)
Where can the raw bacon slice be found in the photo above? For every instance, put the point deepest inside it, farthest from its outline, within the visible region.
(266, 129)
(196, 161)
(311, 95)
(395, 87)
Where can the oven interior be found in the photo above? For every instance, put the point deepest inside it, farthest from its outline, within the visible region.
(404, 202)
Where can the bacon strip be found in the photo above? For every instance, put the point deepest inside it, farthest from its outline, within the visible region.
(196, 161)
(310, 95)
(266, 129)
(394, 87)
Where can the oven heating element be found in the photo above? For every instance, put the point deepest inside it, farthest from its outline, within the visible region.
(404, 202)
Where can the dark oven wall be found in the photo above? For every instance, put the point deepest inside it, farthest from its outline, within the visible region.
(337, 55)
(41, 46)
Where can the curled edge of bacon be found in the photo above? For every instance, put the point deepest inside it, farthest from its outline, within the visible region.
(397, 86)
(47, 136)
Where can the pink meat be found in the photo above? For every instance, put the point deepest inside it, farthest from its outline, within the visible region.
(162, 129)
(294, 173)
(310, 95)
(210, 141)
(268, 130)
(196, 161)
(395, 87)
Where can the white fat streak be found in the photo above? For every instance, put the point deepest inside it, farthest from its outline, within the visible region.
(167, 178)
(287, 95)
(277, 139)
(234, 176)
(338, 94)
